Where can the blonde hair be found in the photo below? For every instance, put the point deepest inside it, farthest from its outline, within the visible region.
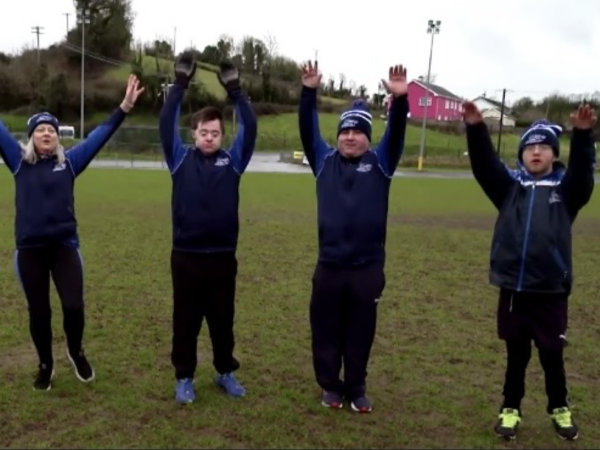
(31, 156)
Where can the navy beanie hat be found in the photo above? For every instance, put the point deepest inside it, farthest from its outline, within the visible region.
(541, 132)
(39, 119)
(357, 117)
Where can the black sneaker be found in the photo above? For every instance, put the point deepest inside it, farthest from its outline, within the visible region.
(43, 381)
(508, 423)
(83, 369)
(332, 400)
(564, 424)
(361, 405)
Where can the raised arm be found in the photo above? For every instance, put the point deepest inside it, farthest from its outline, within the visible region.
(578, 183)
(83, 153)
(491, 174)
(390, 148)
(168, 124)
(10, 149)
(168, 127)
(245, 141)
(315, 148)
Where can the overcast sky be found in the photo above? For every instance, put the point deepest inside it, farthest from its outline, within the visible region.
(531, 47)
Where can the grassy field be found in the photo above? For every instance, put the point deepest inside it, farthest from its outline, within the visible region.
(437, 367)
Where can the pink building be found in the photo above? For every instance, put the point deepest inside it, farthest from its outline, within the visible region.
(443, 104)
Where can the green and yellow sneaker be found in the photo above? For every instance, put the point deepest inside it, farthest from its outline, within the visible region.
(508, 423)
(564, 424)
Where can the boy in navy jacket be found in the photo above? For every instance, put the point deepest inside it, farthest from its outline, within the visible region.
(353, 184)
(531, 251)
(205, 200)
(46, 228)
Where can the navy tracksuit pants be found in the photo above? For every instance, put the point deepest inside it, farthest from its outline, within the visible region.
(541, 318)
(343, 319)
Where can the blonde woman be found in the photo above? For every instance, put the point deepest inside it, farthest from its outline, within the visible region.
(46, 228)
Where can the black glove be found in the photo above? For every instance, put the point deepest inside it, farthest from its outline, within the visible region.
(185, 69)
(229, 77)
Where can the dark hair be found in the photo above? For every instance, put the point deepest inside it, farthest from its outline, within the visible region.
(208, 114)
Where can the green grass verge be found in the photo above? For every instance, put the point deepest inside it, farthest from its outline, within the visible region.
(437, 366)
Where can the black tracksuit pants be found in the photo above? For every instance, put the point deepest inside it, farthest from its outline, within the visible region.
(343, 319)
(203, 287)
(523, 317)
(34, 266)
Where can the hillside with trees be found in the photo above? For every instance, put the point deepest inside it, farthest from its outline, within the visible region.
(51, 78)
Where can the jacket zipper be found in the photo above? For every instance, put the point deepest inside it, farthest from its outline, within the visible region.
(526, 237)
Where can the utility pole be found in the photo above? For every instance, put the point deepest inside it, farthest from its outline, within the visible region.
(83, 16)
(174, 41)
(67, 16)
(38, 30)
(433, 28)
(501, 120)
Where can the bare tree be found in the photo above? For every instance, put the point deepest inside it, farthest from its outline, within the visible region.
(270, 45)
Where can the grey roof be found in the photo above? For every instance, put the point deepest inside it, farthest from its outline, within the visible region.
(438, 90)
(496, 103)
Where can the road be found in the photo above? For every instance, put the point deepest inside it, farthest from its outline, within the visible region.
(262, 163)
(269, 163)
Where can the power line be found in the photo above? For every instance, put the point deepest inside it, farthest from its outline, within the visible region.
(93, 55)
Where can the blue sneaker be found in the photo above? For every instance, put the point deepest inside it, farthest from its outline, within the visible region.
(184, 391)
(330, 399)
(361, 405)
(229, 384)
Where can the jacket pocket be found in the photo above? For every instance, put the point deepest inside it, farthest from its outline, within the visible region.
(560, 262)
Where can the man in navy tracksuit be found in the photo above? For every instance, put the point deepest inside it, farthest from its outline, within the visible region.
(353, 184)
(531, 252)
(205, 201)
(46, 229)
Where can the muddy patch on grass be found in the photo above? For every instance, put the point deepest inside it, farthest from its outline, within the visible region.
(18, 357)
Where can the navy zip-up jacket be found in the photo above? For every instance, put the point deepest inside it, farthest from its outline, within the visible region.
(531, 246)
(44, 198)
(205, 195)
(352, 194)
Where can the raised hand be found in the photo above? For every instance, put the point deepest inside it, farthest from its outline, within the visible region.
(229, 77)
(185, 68)
(311, 78)
(132, 93)
(396, 84)
(471, 114)
(584, 118)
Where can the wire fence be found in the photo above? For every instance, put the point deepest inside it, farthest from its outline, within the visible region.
(142, 143)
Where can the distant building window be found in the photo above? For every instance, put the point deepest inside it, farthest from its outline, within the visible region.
(422, 101)
(447, 104)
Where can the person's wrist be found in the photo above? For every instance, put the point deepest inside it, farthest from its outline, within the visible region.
(126, 106)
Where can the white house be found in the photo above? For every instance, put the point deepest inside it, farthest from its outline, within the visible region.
(491, 110)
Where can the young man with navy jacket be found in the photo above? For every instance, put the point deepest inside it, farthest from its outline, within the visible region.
(205, 200)
(46, 228)
(353, 185)
(531, 259)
